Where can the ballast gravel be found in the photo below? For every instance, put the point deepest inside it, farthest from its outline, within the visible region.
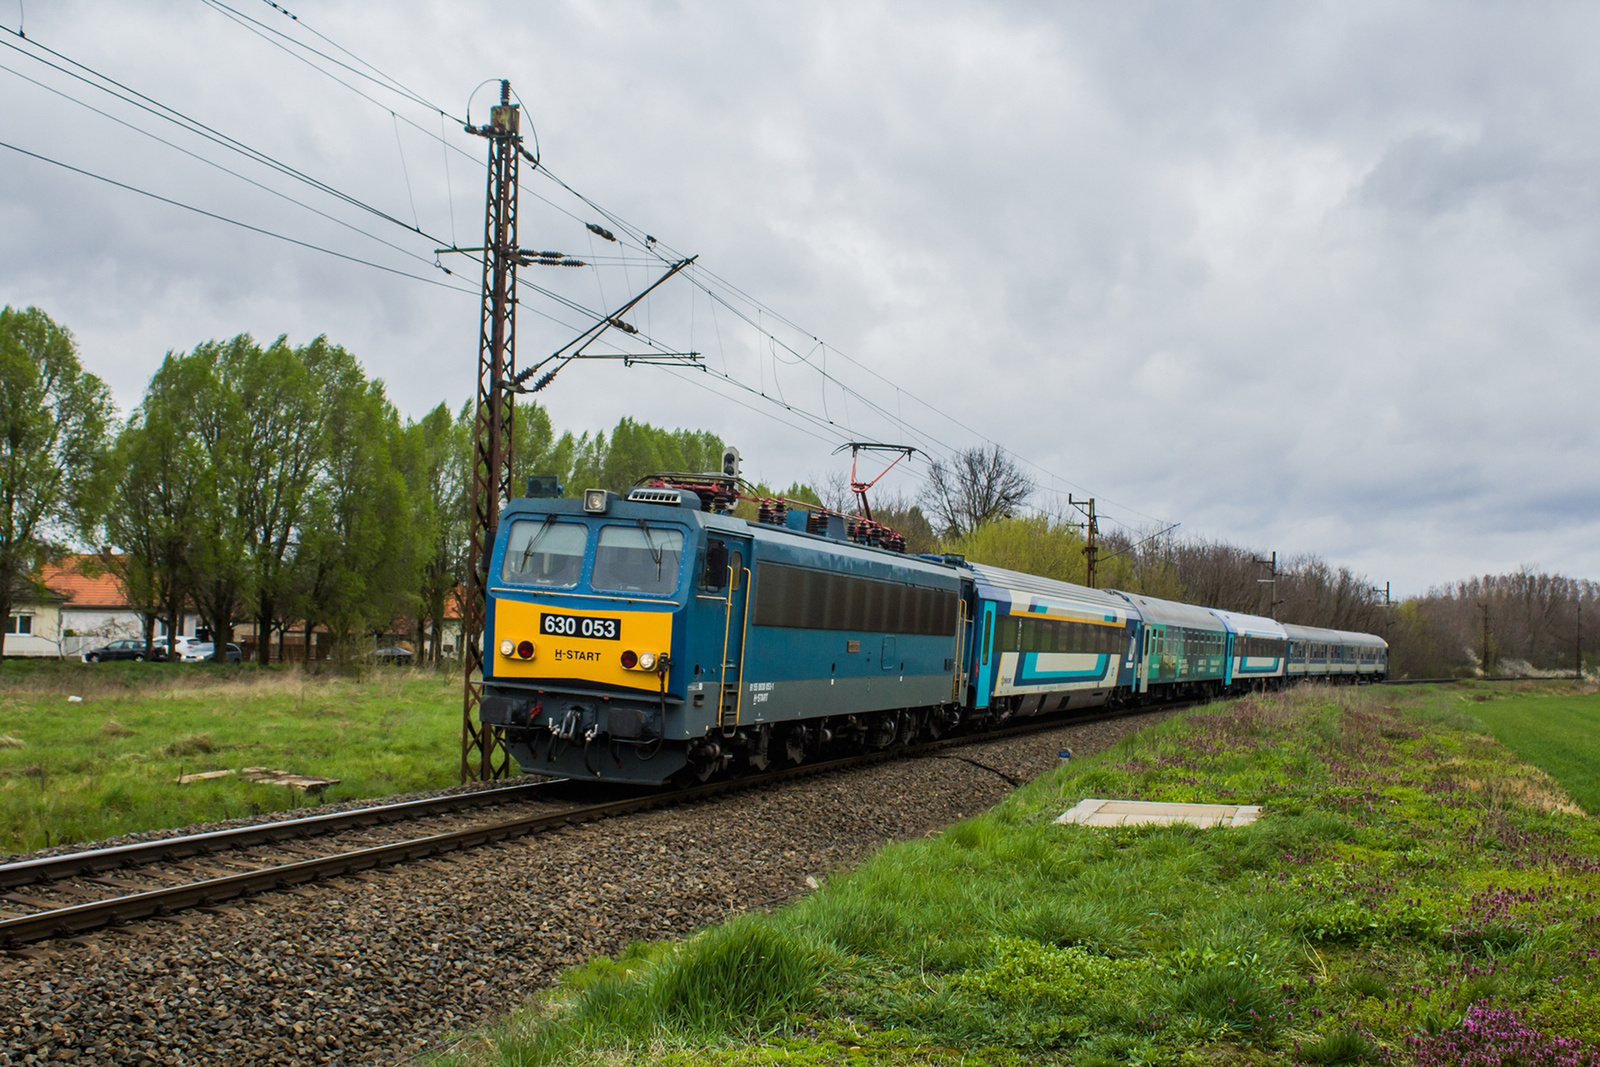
(382, 966)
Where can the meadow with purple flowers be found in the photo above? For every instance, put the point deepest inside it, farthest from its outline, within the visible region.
(1413, 894)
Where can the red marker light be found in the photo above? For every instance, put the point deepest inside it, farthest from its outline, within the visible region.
(525, 650)
(630, 659)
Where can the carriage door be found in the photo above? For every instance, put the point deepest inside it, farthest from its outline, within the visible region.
(987, 654)
(735, 576)
(1146, 652)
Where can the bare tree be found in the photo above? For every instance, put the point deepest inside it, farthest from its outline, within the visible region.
(976, 486)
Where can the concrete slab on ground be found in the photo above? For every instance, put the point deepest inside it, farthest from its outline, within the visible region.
(1156, 813)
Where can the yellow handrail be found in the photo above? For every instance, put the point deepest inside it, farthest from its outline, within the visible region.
(744, 637)
(727, 626)
(961, 643)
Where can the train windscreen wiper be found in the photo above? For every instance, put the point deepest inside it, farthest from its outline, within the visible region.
(527, 553)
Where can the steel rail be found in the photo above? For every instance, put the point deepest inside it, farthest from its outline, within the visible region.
(112, 857)
(75, 919)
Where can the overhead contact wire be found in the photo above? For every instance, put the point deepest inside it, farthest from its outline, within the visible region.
(233, 221)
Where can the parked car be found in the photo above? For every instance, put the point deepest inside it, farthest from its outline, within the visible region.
(201, 651)
(180, 645)
(395, 655)
(124, 649)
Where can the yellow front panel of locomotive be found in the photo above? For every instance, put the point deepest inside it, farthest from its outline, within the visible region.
(562, 651)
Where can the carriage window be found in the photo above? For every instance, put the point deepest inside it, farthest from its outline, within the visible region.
(544, 553)
(638, 559)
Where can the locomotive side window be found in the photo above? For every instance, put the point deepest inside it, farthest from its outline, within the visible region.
(637, 559)
(716, 573)
(544, 553)
(821, 600)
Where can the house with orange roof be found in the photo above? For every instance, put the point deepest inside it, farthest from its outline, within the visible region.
(81, 606)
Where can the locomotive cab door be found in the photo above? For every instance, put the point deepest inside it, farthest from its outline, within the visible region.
(724, 599)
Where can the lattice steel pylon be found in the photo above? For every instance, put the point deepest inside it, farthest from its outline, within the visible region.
(483, 752)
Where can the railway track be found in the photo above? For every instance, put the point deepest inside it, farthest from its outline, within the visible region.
(65, 895)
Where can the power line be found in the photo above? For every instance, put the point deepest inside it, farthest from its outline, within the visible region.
(195, 126)
(399, 86)
(662, 249)
(213, 163)
(638, 238)
(234, 222)
(648, 243)
(183, 121)
(262, 29)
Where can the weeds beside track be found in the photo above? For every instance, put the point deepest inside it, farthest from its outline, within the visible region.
(1412, 892)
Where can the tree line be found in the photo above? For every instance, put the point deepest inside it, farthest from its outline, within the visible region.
(278, 484)
(1524, 623)
(266, 483)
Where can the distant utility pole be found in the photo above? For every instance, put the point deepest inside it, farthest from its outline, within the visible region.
(1577, 670)
(1272, 565)
(1091, 550)
(1485, 609)
(483, 753)
(1388, 619)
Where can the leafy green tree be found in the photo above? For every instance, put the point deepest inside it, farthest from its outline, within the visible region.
(802, 492)
(54, 420)
(1032, 544)
(278, 451)
(436, 480)
(588, 461)
(153, 505)
(360, 553)
(536, 449)
(909, 521)
(638, 449)
(213, 417)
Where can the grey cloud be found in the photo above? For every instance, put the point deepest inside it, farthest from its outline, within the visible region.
(1308, 278)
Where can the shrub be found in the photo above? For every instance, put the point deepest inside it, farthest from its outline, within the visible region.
(746, 971)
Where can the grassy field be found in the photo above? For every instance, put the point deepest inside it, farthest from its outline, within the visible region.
(1551, 726)
(79, 771)
(1413, 894)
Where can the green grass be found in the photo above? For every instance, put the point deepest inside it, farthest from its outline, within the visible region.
(1555, 728)
(109, 765)
(1408, 871)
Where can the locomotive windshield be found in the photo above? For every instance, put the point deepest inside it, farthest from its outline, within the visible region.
(637, 559)
(544, 553)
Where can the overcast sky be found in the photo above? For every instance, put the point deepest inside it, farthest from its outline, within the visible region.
(1312, 278)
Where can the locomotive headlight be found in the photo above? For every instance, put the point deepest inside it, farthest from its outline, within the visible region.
(507, 647)
(525, 649)
(647, 661)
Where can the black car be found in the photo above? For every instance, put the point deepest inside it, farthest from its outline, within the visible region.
(125, 649)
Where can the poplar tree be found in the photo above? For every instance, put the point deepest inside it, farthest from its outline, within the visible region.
(153, 504)
(54, 420)
(436, 479)
(358, 547)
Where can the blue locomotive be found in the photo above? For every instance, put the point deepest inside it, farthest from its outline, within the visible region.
(655, 637)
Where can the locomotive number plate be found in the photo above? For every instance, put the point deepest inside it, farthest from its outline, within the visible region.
(579, 626)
